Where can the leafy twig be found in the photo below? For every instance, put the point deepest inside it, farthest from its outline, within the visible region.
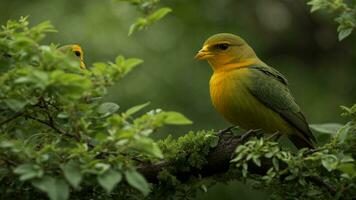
(51, 125)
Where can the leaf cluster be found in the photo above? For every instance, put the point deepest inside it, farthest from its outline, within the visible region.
(344, 10)
(328, 172)
(151, 13)
(58, 137)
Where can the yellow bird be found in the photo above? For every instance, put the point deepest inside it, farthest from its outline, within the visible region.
(76, 50)
(249, 93)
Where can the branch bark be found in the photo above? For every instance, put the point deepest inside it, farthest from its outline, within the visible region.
(11, 118)
(51, 124)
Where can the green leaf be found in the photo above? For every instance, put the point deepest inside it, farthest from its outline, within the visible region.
(142, 23)
(44, 27)
(15, 105)
(328, 128)
(109, 179)
(257, 161)
(72, 173)
(344, 33)
(69, 85)
(138, 25)
(63, 115)
(148, 145)
(275, 163)
(28, 171)
(101, 167)
(346, 111)
(38, 79)
(99, 68)
(343, 132)
(290, 177)
(315, 5)
(108, 108)
(135, 109)
(137, 181)
(244, 170)
(157, 15)
(6, 144)
(347, 23)
(119, 60)
(348, 168)
(329, 162)
(131, 63)
(175, 118)
(56, 189)
(204, 188)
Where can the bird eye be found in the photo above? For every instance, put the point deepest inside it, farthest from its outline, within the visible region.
(222, 46)
(77, 53)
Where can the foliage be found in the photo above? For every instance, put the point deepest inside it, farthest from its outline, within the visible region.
(57, 134)
(327, 172)
(150, 12)
(60, 140)
(345, 11)
(332, 165)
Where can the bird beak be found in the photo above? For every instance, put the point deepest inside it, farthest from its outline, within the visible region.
(203, 54)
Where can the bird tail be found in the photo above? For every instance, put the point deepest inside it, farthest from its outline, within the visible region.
(301, 142)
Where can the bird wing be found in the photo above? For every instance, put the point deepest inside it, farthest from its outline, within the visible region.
(271, 88)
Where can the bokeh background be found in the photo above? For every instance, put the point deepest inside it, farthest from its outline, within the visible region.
(303, 46)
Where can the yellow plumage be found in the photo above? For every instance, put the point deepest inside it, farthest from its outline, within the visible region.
(240, 107)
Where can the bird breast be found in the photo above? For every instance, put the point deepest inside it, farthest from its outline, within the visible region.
(232, 99)
(229, 94)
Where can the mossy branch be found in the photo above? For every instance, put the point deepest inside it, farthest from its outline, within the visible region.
(218, 162)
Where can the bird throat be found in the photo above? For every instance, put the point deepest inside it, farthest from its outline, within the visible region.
(234, 65)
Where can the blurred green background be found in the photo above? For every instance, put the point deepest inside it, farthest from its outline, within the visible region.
(302, 46)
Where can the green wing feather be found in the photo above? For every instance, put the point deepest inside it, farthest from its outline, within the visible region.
(271, 88)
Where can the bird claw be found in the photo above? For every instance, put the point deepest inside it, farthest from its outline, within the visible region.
(249, 133)
(226, 130)
(275, 136)
(311, 151)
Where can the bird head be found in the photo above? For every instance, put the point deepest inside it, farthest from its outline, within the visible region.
(223, 49)
(76, 50)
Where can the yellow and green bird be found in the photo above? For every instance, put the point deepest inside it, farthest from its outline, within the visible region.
(249, 93)
(76, 50)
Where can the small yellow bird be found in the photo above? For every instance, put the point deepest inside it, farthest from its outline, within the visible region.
(249, 93)
(77, 50)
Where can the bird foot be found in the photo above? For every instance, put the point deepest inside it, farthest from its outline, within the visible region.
(248, 134)
(226, 130)
(311, 151)
(275, 136)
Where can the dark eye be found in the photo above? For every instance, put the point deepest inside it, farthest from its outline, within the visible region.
(77, 53)
(222, 46)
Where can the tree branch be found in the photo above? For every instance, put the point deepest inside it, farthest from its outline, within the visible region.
(46, 123)
(318, 181)
(54, 127)
(218, 162)
(11, 118)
